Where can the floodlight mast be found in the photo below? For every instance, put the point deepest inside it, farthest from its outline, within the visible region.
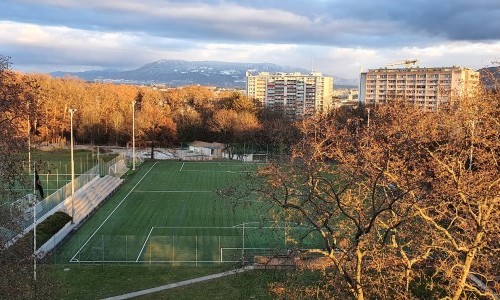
(133, 135)
(72, 111)
(29, 144)
(34, 219)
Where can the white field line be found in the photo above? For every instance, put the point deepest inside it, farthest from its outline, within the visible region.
(231, 164)
(226, 227)
(195, 227)
(145, 242)
(216, 163)
(173, 191)
(126, 196)
(153, 261)
(215, 171)
(245, 224)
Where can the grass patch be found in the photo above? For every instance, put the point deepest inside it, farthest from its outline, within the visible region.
(248, 285)
(100, 281)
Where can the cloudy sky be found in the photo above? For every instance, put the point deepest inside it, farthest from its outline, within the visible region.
(333, 36)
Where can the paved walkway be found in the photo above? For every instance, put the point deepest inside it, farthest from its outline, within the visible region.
(181, 283)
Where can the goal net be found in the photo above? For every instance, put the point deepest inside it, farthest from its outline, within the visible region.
(118, 169)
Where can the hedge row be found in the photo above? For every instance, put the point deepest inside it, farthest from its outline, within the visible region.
(50, 226)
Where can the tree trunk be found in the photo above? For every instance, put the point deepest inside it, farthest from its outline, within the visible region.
(465, 274)
(359, 264)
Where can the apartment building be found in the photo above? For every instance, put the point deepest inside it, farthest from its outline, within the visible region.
(297, 95)
(427, 88)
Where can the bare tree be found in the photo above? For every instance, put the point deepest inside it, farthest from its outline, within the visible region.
(463, 204)
(407, 207)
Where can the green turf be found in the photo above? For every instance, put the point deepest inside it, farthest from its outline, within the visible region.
(170, 212)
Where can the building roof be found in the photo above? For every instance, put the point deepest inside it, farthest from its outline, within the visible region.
(201, 144)
(420, 69)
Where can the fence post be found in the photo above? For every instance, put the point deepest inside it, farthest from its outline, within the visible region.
(102, 247)
(243, 247)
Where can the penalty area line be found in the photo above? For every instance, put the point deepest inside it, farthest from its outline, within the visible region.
(126, 196)
(173, 191)
(145, 242)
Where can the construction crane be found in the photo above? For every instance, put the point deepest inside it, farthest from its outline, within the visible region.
(408, 63)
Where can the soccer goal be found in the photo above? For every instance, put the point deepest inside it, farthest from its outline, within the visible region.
(259, 157)
(118, 169)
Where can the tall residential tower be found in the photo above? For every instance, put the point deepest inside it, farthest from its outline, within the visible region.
(427, 88)
(297, 95)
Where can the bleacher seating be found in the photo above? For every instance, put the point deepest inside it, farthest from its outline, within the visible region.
(89, 198)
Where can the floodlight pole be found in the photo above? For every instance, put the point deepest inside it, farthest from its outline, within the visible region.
(34, 220)
(72, 111)
(29, 143)
(133, 135)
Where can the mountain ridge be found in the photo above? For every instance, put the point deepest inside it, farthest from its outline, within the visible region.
(174, 72)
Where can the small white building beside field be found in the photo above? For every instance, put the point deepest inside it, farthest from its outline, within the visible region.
(212, 150)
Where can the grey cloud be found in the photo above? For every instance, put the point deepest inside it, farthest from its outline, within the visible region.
(152, 29)
(347, 23)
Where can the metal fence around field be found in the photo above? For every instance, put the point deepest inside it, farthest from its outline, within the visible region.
(43, 207)
(54, 199)
(51, 201)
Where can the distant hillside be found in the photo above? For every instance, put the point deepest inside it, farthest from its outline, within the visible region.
(181, 72)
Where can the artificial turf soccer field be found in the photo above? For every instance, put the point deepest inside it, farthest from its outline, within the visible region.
(170, 212)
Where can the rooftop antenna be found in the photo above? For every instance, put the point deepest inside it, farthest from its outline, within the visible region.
(407, 63)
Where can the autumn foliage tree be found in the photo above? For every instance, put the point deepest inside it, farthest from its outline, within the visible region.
(155, 124)
(19, 101)
(19, 104)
